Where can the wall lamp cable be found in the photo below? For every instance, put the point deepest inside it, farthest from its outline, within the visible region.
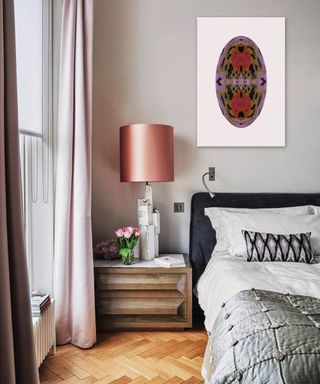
(212, 195)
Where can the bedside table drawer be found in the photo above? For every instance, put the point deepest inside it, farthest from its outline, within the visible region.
(143, 281)
(147, 303)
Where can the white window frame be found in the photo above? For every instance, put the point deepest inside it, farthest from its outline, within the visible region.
(37, 172)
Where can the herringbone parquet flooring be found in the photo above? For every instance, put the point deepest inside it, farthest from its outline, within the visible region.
(130, 357)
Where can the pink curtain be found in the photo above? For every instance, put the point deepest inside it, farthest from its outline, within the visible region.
(17, 355)
(73, 276)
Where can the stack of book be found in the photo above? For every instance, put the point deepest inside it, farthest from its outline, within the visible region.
(39, 303)
(170, 261)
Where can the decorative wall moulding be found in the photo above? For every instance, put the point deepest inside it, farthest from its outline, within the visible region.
(241, 82)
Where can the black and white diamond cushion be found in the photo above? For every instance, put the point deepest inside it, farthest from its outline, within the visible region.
(278, 247)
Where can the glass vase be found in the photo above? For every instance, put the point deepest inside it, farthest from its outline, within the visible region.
(127, 256)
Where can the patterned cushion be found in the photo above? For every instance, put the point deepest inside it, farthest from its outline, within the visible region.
(273, 247)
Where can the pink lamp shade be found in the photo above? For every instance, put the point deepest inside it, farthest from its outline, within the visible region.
(146, 153)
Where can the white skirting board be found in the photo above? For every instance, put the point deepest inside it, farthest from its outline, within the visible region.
(44, 334)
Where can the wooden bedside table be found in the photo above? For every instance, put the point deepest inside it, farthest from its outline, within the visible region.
(143, 295)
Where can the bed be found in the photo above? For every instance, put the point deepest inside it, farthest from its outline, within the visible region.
(273, 308)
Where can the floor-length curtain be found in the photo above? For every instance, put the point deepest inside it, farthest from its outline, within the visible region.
(17, 356)
(73, 276)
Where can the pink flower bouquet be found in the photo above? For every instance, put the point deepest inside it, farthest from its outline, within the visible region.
(127, 238)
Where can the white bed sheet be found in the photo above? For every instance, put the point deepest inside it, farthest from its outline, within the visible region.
(226, 275)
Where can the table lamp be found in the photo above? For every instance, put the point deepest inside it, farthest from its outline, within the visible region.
(146, 155)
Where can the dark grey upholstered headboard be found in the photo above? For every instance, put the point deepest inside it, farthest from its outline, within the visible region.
(202, 235)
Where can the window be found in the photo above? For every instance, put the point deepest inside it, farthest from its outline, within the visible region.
(33, 21)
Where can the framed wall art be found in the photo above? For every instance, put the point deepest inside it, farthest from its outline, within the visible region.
(241, 81)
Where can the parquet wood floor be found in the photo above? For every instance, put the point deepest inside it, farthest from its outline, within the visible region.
(130, 357)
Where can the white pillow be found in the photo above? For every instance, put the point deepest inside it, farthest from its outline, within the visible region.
(314, 209)
(218, 221)
(269, 223)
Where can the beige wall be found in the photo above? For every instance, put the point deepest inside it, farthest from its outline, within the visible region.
(145, 71)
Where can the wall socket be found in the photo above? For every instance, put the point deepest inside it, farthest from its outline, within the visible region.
(178, 207)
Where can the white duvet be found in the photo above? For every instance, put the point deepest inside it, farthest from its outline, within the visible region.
(226, 275)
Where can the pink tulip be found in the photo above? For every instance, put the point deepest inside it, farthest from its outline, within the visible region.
(128, 231)
(119, 232)
(137, 232)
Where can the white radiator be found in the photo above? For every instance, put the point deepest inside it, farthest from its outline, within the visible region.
(44, 334)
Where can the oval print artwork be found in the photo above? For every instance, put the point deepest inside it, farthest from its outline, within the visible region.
(241, 81)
